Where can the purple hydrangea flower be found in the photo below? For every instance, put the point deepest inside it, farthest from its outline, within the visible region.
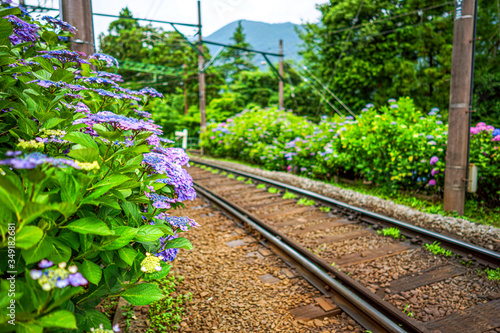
(432, 182)
(111, 76)
(10, 153)
(107, 93)
(61, 24)
(183, 223)
(108, 60)
(117, 122)
(44, 263)
(23, 31)
(99, 80)
(32, 160)
(434, 172)
(168, 254)
(77, 279)
(160, 201)
(434, 160)
(65, 56)
(143, 113)
(151, 92)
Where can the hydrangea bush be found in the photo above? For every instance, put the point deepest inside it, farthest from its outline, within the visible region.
(86, 182)
(396, 146)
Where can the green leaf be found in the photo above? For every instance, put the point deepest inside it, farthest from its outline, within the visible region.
(165, 269)
(32, 210)
(90, 225)
(109, 201)
(5, 28)
(84, 154)
(122, 237)
(62, 75)
(52, 122)
(148, 233)
(35, 254)
(28, 328)
(142, 294)
(91, 271)
(112, 181)
(94, 318)
(60, 251)
(50, 37)
(61, 319)
(28, 237)
(179, 243)
(10, 11)
(83, 139)
(112, 278)
(127, 254)
(45, 63)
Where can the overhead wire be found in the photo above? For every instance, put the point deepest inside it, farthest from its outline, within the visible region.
(343, 48)
(417, 11)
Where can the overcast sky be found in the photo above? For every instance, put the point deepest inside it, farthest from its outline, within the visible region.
(215, 13)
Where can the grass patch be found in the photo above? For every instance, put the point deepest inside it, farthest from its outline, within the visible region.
(493, 274)
(167, 313)
(261, 186)
(390, 232)
(240, 178)
(231, 176)
(438, 250)
(223, 173)
(289, 195)
(325, 209)
(305, 202)
(273, 190)
(249, 182)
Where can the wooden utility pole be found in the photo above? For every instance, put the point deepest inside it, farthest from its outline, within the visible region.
(282, 84)
(78, 13)
(201, 74)
(461, 87)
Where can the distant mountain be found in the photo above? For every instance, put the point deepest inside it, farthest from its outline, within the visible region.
(263, 37)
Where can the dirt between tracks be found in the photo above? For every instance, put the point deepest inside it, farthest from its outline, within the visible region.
(227, 294)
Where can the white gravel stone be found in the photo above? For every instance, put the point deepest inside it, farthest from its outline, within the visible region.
(482, 235)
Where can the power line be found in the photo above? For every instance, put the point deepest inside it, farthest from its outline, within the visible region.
(151, 7)
(343, 48)
(392, 30)
(417, 11)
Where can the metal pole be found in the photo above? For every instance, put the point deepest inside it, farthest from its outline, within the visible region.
(78, 13)
(460, 106)
(282, 83)
(201, 74)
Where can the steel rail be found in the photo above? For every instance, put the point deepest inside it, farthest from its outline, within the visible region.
(488, 257)
(375, 321)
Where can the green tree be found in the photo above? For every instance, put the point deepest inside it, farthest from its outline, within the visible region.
(235, 61)
(127, 40)
(400, 48)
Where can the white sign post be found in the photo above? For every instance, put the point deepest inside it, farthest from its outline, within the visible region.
(184, 135)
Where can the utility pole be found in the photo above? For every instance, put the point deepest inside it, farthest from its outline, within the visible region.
(282, 84)
(461, 88)
(185, 89)
(201, 74)
(78, 13)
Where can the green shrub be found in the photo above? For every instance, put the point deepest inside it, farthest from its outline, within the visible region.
(84, 185)
(396, 146)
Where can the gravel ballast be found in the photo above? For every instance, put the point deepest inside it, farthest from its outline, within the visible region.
(228, 294)
(482, 235)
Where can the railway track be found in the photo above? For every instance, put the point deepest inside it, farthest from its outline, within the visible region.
(386, 284)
